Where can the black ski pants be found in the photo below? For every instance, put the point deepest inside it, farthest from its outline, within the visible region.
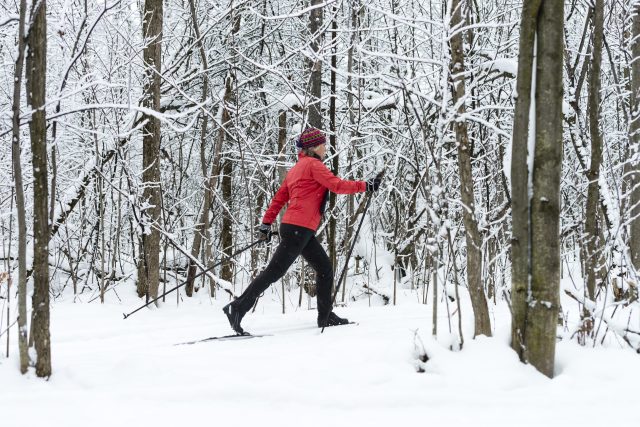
(294, 241)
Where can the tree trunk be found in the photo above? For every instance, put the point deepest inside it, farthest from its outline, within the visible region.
(355, 39)
(20, 206)
(36, 93)
(226, 237)
(315, 92)
(333, 145)
(520, 178)
(634, 137)
(282, 141)
(149, 267)
(212, 180)
(472, 235)
(204, 216)
(210, 184)
(592, 226)
(540, 335)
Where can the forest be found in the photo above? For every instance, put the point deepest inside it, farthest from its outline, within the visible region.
(142, 142)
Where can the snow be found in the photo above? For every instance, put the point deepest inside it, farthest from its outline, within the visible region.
(380, 101)
(293, 100)
(10, 18)
(502, 65)
(108, 371)
(567, 110)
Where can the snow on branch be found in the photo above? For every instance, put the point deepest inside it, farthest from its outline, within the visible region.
(292, 14)
(620, 329)
(507, 66)
(9, 19)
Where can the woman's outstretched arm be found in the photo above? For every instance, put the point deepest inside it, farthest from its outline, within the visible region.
(323, 175)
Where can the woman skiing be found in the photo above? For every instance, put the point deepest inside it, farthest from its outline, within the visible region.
(304, 190)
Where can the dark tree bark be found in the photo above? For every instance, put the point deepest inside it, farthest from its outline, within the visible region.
(20, 207)
(36, 92)
(333, 142)
(540, 337)
(472, 235)
(315, 90)
(226, 237)
(210, 184)
(149, 264)
(539, 300)
(634, 137)
(520, 177)
(592, 226)
(212, 180)
(204, 215)
(282, 141)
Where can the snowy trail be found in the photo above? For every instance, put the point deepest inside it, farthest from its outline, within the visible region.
(111, 372)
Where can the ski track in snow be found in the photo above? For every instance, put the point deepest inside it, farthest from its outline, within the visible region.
(108, 371)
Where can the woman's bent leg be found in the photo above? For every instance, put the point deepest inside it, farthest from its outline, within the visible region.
(294, 239)
(317, 258)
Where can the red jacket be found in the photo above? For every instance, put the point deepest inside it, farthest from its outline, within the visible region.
(304, 188)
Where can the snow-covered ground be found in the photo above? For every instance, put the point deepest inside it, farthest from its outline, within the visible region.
(113, 372)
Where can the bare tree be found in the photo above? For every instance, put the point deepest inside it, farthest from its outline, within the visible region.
(226, 227)
(333, 141)
(203, 222)
(592, 227)
(216, 163)
(634, 135)
(17, 176)
(472, 234)
(315, 65)
(536, 239)
(36, 73)
(226, 232)
(149, 263)
(519, 177)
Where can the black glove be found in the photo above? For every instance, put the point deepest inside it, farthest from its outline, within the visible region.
(373, 184)
(264, 232)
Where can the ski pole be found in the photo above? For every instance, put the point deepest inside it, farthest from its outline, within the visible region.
(353, 244)
(236, 253)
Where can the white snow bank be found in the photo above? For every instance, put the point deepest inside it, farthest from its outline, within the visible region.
(108, 371)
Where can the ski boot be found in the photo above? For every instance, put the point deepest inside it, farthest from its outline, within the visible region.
(235, 315)
(331, 320)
